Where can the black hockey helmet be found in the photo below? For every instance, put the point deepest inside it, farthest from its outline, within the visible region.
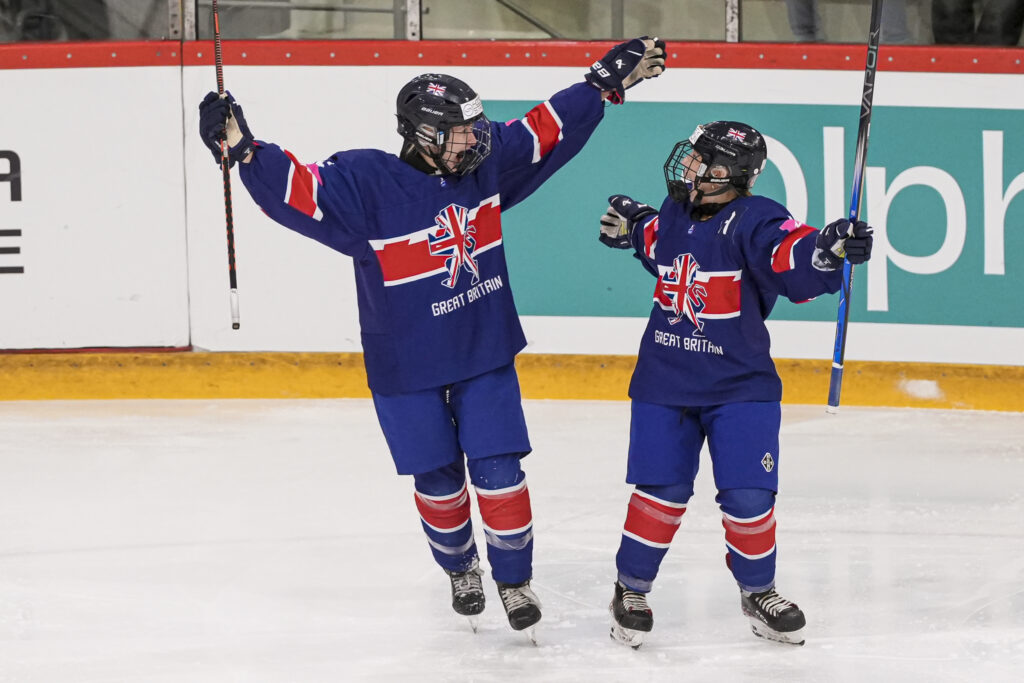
(735, 146)
(429, 107)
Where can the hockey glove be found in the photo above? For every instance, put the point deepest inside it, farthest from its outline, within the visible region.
(627, 64)
(842, 239)
(619, 220)
(220, 117)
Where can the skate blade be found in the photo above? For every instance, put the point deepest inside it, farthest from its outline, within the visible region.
(761, 631)
(627, 636)
(474, 622)
(531, 633)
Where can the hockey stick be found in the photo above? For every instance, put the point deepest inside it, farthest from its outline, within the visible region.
(863, 131)
(225, 165)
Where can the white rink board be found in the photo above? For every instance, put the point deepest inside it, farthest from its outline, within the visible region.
(101, 217)
(119, 252)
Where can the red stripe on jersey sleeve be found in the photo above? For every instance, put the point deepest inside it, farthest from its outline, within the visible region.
(782, 259)
(300, 191)
(541, 120)
(651, 237)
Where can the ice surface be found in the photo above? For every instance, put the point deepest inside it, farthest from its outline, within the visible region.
(258, 541)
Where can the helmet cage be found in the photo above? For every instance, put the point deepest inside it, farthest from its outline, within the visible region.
(442, 145)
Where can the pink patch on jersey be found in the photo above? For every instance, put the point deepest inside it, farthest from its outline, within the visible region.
(315, 170)
(444, 513)
(505, 510)
(652, 521)
(752, 538)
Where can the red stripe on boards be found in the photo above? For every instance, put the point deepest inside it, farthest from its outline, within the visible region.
(443, 53)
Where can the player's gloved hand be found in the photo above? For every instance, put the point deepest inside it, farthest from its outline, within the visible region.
(627, 64)
(221, 117)
(619, 220)
(842, 239)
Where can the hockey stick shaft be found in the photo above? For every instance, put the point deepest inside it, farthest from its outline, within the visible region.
(225, 165)
(860, 162)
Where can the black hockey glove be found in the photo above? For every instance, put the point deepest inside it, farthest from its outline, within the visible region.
(220, 116)
(619, 220)
(627, 64)
(842, 239)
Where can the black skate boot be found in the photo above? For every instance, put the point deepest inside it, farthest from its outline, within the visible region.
(521, 606)
(468, 592)
(773, 617)
(633, 617)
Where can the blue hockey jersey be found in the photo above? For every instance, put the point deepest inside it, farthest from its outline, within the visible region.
(706, 342)
(435, 305)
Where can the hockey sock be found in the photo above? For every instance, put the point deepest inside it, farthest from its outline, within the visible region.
(442, 499)
(504, 502)
(652, 518)
(748, 516)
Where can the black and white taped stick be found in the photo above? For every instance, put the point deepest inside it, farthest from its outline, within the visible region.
(863, 131)
(225, 165)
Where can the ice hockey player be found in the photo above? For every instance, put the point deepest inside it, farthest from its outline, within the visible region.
(439, 327)
(722, 257)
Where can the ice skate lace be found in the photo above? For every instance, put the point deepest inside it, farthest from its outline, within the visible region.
(514, 598)
(773, 603)
(466, 582)
(634, 602)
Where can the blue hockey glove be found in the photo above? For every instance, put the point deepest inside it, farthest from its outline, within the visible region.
(220, 117)
(619, 220)
(627, 64)
(842, 239)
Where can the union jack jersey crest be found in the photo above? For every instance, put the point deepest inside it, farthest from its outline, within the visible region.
(436, 89)
(687, 292)
(736, 134)
(686, 295)
(455, 238)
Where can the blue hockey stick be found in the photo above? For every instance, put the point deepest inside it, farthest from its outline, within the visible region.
(843, 318)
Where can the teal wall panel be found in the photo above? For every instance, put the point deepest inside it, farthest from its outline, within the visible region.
(559, 268)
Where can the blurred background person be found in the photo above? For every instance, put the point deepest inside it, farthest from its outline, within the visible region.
(998, 22)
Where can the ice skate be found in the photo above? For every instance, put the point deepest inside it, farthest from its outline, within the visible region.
(468, 593)
(521, 606)
(632, 616)
(773, 617)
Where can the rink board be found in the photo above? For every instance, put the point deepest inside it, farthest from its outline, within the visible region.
(113, 234)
